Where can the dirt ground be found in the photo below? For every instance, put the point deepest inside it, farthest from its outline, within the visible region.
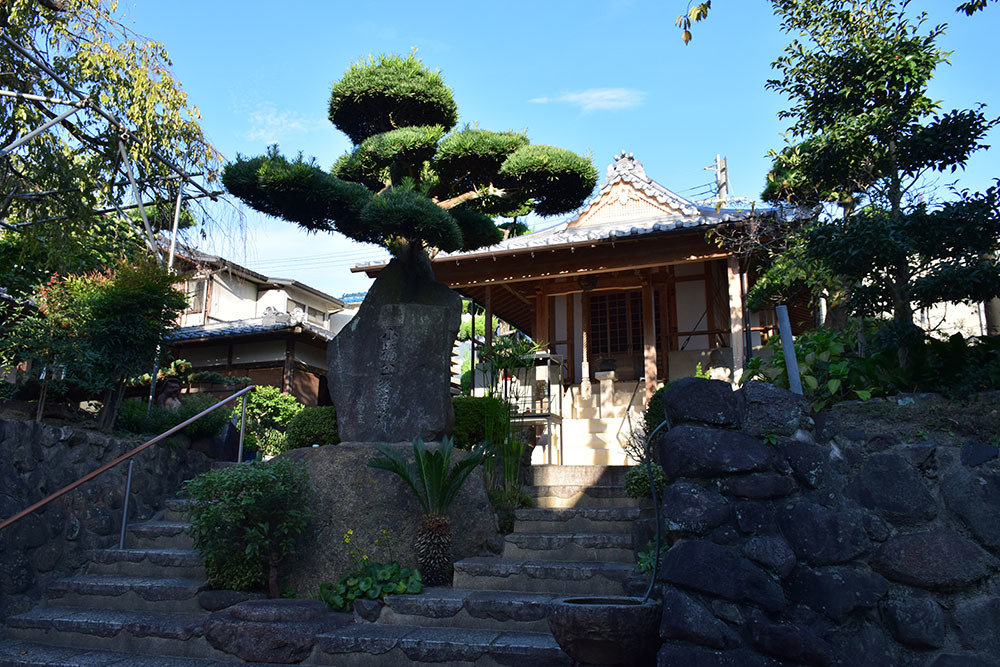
(914, 418)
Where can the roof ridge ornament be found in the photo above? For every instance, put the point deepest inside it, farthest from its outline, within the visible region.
(625, 164)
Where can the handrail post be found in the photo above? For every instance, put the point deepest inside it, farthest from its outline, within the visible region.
(128, 492)
(243, 428)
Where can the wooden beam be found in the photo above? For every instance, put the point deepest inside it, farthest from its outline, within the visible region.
(736, 340)
(648, 339)
(513, 291)
(570, 340)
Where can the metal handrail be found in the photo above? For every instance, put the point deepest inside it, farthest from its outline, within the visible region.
(128, 455)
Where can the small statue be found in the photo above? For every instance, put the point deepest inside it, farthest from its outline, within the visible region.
(169, 396)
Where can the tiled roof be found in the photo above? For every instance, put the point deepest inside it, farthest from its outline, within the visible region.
(627, 169)
(248, 327)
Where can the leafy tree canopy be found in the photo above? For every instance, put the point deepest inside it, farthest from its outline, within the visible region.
(699, 12)
(864, 134)
(51, 186)
(412, 178)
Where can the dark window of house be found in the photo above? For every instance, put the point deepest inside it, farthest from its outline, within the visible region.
(315, 316)
(292, 305)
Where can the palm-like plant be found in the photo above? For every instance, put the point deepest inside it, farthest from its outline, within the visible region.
(435, 482)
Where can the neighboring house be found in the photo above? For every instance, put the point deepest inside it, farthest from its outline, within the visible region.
(240, 322)
(630, 283)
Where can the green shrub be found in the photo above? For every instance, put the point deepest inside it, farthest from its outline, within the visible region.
(133, 418)
(829, 369)
(245, 520)
(312, 426)
(268, 413)
(479, 419)
(637, 481)
(654, 413)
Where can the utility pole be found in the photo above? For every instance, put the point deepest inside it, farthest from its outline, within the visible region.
(721, 169)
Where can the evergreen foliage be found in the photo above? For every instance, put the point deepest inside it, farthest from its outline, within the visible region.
(313, 426)
(480, 419)
(408, 181)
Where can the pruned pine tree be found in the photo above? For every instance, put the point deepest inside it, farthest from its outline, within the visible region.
(412, 181)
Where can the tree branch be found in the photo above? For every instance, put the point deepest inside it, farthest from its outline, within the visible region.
(468, 196)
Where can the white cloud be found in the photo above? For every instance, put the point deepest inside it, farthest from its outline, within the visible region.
(270, 125)
(598, 99)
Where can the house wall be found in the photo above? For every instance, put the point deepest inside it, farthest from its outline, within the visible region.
(310, 355)
(233, 298)
(275, 298)
(259, 351)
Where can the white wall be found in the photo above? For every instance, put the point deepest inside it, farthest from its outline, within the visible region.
(233, 298)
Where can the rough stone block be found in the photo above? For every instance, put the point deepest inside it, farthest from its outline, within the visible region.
(788, 641)
(759, 485)
(823, 536)
(690, 507)
(704, 401)
(773, 410)
(771, 552)
(722, 571)
(975, 497)
(889, 485)
(978, 622)
(836, 591)
(936, 560)
(697, 451)
(915, 621)
(686, 619)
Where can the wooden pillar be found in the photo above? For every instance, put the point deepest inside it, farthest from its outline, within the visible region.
(541, 331)
(289, 367)
(585, 389)
(488, 303)
(736, 339)
(648, 337)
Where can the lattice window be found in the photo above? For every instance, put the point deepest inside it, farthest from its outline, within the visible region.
(616, 323)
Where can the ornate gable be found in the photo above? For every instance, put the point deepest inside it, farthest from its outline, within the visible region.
(628, 194)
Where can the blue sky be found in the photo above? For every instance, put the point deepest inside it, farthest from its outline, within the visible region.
(593, 77)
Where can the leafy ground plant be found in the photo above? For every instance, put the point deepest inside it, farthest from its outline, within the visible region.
(369, 579)
(245, 520)
(637, 481)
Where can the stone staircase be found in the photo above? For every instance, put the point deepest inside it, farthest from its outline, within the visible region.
(130, 603)
(139, 606)
(496, 614)
(593, 427)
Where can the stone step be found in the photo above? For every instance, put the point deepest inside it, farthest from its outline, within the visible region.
(144, 633)
(17, 652)
(94, 591)
(510, 611)
(184, 563)
(174, 510)
(592, 452)
(366, 645)
(584, 496)
(576, 520)
(554, 475)
(159, 535)
(561, 578)
(572, 547)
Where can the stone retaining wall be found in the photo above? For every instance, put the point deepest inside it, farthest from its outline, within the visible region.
(859, 551)
(36, 460)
